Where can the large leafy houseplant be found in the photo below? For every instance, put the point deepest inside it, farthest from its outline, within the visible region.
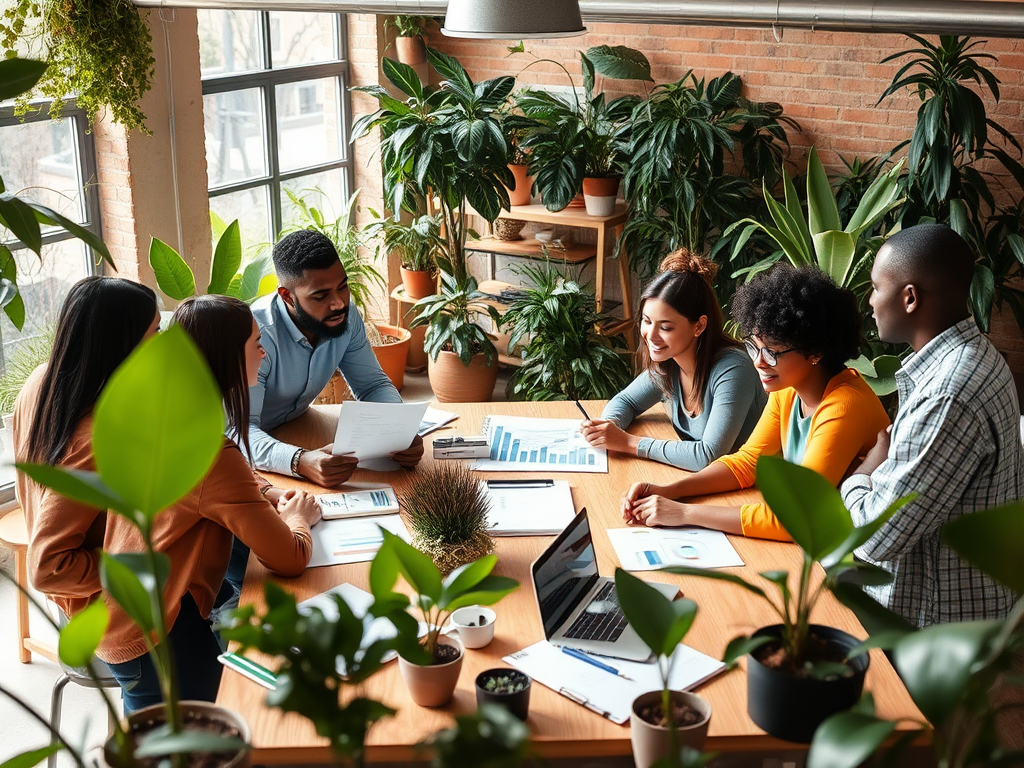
(682, 137)
(147, 458)
(963, 676)
(844, 252)
(566, 357)
(21, 216)
(568, 139)
(954, 132)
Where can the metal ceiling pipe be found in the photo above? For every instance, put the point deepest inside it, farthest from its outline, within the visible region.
(960, 17)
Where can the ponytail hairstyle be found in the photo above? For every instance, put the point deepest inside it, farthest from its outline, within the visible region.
(220, 326)
(103, 319)
(684, 282)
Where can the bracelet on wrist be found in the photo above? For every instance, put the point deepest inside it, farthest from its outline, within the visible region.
(295, 462)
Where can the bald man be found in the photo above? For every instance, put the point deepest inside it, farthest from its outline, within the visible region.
(956, 439)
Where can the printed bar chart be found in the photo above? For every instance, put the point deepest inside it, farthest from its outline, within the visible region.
(527, 444)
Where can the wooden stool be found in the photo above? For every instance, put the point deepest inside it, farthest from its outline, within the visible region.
(14, 535)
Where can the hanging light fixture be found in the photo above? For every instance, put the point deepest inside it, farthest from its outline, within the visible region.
(513, 19)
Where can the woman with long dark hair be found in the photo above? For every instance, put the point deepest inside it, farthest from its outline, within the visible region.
(800, 328)
(102, 320)
(702, 375)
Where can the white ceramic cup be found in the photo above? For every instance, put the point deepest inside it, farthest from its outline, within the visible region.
(475, 625)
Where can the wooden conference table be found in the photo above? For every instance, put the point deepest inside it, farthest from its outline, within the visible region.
(559, 727)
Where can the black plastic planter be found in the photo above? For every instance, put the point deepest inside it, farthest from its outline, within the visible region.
(792, 708)
(517, 703)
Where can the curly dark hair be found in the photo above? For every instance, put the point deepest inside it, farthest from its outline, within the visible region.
(803, 309)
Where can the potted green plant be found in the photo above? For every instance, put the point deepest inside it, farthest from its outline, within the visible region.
(409, 43)
(663, 721)
(798, 673)
(430, 662)
(389, 342)
(573, 139)
(963, 676)
(446, 511)
(446, 143)
(565, 358)
(508, 688)
(19, 362)
(844, 253)
(145, 462)
(415, 244)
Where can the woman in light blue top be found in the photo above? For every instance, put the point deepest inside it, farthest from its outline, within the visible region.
(709, 386)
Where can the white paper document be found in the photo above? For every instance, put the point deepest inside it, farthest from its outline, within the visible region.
(373, 431)
(603, 692)
(353, 501)
(523, 444)
(359, 601)
(353, 540)
(530, 511)
(645, 549)
(435, 418)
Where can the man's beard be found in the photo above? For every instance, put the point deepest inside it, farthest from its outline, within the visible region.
(309, 324)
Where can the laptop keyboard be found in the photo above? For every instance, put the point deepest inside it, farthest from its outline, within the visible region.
(601, 624)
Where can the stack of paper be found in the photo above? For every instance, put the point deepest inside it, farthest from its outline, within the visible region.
(530, 510)
(433, 419)
(645, 549)
(373, 431)
(604, 692)
(352, 540)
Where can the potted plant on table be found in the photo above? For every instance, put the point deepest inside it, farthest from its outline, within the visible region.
(662, 721)
(446, 144)
(508, 688)
(390, 343)
(430, 662)
(145, 462)
(798, 673)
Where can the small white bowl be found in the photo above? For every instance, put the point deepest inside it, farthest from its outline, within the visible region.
(543, 236)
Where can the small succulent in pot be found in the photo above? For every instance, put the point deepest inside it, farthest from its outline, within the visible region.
(446, 509)
(508, 688)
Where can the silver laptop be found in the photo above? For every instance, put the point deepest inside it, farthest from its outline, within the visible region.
(578, 607)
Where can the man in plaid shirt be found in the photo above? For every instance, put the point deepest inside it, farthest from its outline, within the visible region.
(955, 442)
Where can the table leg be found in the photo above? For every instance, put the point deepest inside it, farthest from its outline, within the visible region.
(21, 579)
(599, 277)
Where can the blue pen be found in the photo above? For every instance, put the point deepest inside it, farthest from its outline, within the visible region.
(577, 654)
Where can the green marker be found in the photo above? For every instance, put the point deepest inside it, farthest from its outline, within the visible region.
(250, 669)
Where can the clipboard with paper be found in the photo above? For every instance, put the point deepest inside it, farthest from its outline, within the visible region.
(603, 693)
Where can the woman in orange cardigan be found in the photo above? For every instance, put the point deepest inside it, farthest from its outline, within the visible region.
(800, 329)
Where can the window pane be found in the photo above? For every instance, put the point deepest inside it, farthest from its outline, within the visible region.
(252, 209)
(229, 41)
(302, 38)
(309, 119)
(326, 191)
(41, 158)
(235, 136)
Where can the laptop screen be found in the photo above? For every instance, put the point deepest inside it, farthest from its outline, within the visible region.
(564, 574)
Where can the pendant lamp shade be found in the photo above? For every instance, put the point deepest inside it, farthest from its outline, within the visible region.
(513, 19)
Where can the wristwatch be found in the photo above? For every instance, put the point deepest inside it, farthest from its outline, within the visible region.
(295, 462)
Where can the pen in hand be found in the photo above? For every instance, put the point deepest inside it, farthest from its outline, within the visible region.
(585, 657)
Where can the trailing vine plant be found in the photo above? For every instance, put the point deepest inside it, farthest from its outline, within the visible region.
(100, 52)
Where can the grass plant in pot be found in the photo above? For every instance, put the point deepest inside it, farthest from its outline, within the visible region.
(415, 244)
(447, 144)
(798, 673)
(508, 688)
(446, 510)
(662, 721)
(430, 662)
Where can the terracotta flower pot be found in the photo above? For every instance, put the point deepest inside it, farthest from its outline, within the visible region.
(520, 194)
(453, 382)
(600, 195)
(417, 360)
(651, 742)
(149, 717)
(411, 50)
(433, 686)
(392, 357)
(418, 283)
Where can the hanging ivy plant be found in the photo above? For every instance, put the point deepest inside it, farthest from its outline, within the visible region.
(100, 52)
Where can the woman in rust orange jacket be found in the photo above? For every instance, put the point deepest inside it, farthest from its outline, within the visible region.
(800, 329)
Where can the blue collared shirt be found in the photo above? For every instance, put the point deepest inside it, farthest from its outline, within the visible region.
(294, 372)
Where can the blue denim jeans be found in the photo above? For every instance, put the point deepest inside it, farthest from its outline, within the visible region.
(195, 650)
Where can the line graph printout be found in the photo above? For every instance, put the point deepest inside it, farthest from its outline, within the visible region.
(522, 444)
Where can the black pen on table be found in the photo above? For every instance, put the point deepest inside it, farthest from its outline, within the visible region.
(585, 414)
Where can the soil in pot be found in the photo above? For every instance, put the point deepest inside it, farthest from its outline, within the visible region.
(444, 654)
(792, 704)
(195, 717)
(683, 714)
(652, 740)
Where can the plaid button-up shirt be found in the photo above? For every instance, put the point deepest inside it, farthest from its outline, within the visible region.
(956, 442)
